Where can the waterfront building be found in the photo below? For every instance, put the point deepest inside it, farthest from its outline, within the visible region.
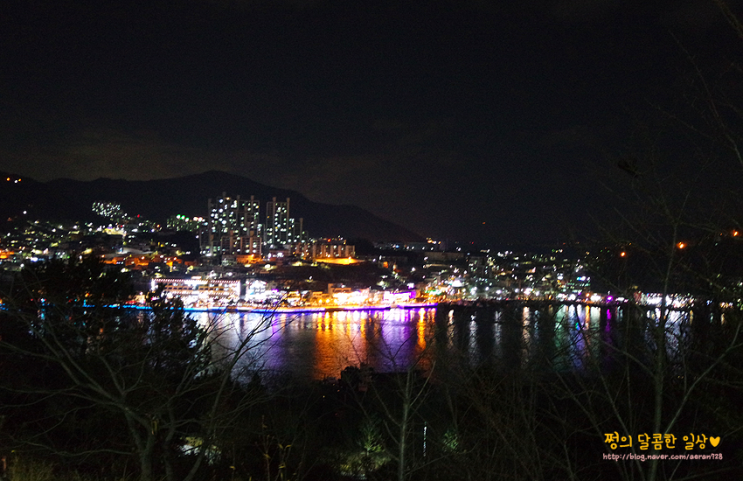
(200, 292)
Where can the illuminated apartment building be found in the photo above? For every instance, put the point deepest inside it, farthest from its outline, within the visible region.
(332, 249)
(327, 250)
(281, 228)
(232, 227)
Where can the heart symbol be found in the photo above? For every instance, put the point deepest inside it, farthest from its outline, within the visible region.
(714, 441)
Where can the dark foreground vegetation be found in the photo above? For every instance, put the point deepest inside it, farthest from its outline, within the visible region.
(93, 392)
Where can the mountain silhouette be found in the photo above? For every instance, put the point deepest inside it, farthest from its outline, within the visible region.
(68, 200)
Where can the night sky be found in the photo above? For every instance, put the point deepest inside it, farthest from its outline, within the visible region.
(473, 120)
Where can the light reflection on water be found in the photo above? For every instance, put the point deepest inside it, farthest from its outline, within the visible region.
(320, 345)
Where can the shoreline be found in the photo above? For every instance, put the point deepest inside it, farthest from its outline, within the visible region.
(299, 310)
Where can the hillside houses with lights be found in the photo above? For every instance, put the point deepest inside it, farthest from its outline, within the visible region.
(247, 251)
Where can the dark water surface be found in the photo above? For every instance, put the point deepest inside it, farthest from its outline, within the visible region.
(320, 345)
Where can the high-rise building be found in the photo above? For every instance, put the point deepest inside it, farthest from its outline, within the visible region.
(233, 227)
(281, 228)
(277, 222)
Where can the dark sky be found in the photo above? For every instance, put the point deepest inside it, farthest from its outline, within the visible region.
(484, 120)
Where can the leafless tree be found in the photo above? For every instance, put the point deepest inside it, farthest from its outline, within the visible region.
(166, 379)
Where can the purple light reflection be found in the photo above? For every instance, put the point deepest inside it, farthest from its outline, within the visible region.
(316, 345)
